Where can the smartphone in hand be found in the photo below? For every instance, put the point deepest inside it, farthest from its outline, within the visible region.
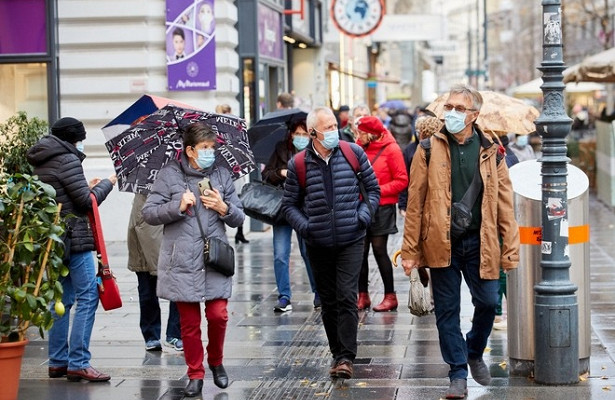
(204, 185)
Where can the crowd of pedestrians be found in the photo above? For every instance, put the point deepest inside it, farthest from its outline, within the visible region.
(344, 179)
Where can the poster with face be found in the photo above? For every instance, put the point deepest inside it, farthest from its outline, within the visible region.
(191, 45)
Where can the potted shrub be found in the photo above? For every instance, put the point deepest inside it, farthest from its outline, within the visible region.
(31, 248)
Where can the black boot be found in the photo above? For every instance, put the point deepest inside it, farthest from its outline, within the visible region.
(239, 237)
(194, 388)
(220, 376)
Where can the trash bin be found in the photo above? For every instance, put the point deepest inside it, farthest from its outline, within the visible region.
(527, 186)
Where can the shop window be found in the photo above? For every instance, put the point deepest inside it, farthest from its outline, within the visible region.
(23, 88)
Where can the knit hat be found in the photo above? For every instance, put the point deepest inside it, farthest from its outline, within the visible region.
(69, 129)
(344, 108)
(371, 124)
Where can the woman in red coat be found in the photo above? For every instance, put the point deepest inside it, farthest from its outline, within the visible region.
(388, 163)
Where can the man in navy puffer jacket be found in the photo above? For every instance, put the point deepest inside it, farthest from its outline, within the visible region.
(332, 217)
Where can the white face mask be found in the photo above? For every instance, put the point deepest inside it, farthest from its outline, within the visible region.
(79, 146)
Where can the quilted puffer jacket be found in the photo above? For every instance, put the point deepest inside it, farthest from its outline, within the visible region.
(58, 163)
(329, 210)
(181, 272)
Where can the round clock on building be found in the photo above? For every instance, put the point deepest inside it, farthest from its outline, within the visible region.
(357, 17)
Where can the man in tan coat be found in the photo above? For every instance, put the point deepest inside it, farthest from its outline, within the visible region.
(439, 177)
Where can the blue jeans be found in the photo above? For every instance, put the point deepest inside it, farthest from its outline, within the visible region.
(80, 288)
(149, 306)
(446, 294)
(281, 256)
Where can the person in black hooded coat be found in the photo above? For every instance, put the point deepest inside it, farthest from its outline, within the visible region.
(57, 161)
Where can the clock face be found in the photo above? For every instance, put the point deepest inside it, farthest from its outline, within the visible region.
(357, 17)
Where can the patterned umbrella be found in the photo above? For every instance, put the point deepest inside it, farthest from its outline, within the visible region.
(143, 107)
(141, 151)
(500, 114)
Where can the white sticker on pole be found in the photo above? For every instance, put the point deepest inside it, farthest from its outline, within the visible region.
(546, 247)
(563, 228)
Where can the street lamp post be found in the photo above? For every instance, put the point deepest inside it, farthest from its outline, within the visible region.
(555, 307)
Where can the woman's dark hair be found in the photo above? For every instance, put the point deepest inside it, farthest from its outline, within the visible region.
(198, 132)
(292, 127)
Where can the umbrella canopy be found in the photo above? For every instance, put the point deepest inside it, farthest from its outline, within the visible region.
(270, 130)
(394, 104)
(597, 68)
(141, 151)
(500, 114)
(145, 105)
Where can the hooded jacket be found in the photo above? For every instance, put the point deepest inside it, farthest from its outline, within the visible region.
(58, 163)
(428, 213)
(182, 275)
(389, 167)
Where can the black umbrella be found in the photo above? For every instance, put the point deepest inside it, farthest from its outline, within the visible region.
(140, 151)
(270, 130)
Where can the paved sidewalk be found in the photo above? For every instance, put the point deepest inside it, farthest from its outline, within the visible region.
(285, 356)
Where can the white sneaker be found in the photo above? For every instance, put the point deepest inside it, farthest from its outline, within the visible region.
(500, 324)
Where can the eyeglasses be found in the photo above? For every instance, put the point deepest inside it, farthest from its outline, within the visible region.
(461, 109)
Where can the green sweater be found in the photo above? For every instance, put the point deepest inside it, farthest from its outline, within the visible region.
(464, 164)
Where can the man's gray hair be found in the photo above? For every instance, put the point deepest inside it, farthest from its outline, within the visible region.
(312, 117)
(469, 93)
(356, 108)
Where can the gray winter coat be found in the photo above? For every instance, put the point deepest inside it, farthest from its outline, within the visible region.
(181, 272)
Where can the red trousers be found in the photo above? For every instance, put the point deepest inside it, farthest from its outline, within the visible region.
(190, 321)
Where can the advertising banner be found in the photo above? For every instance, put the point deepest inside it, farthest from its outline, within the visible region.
(269, 33)
(191, 45)
(23, 27)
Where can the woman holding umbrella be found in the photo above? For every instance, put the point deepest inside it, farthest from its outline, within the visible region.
(173, 203)
(275, 174)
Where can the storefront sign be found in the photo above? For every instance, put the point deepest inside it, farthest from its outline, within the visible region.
(191, 45)
(269, 33)
(23, 27)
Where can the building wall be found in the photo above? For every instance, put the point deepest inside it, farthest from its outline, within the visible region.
(110, 53)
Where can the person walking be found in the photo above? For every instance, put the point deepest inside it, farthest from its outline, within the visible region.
(439, 178)
(143, 248)
(57, 161)
(387, 160)
(239, 235)
(322, 203)
(349, 132)
(275, 174)
(182, 276)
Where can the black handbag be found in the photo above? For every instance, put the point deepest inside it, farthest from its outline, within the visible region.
(262, 202)
(219, 255)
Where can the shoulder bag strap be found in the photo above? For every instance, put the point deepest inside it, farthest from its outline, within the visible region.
(471, 194)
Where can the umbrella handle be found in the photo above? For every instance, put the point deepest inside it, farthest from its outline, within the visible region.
(394, 258)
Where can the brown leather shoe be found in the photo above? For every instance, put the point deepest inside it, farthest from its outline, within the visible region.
(364, 301)
(57, 372)
(89, 374)
(389, 303)
(344, 369)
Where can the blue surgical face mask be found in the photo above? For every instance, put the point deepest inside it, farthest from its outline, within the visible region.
(331, 139)
(521, 141)
(206, 158)
(300, 142)
(79, 146)
(455, 121)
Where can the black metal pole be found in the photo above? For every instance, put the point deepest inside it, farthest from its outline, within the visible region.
(556, 309)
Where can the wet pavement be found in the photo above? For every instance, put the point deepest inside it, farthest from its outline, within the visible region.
(285, 355)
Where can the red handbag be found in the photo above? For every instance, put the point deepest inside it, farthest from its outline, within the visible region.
(108, 291)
